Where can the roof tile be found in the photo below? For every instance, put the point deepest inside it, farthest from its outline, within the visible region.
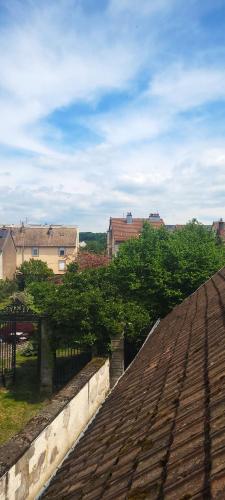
(44, 236)
(122, 231)
(161, 432)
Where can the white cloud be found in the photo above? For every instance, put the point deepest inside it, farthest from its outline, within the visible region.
(131, 125)
(156, 111)
(185, 88)
(150, 158)
(44, 67)
(181, 182)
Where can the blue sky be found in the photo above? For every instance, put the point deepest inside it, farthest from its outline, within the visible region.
(109, 106)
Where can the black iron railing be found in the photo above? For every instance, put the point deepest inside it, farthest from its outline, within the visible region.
(68, 361)
(7, 351)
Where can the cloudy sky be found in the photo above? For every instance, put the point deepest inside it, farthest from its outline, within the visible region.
(111, 105)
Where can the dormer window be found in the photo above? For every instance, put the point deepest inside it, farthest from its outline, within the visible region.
(61, 252)
(35, 252)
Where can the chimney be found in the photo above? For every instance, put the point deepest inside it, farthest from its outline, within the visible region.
(154, 217)
(129, 218)
(221, 226)
(49, 232)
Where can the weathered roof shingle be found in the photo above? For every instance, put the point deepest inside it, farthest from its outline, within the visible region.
(44, 236)
(161, 432)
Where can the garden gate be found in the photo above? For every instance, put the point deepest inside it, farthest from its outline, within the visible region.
(15, 313)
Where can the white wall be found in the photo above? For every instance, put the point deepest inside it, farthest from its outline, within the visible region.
(26, 478)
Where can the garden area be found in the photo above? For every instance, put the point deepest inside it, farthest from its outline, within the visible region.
(92, 303)
(21, 401)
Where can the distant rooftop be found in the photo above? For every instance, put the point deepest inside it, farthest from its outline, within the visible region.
(42, 236)
(130, 227)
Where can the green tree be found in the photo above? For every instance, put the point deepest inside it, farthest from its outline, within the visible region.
(83, 312)
(160, 268)
(33, 270)
(95, 242)
(43, 293)
(149, 276)
(7, 288)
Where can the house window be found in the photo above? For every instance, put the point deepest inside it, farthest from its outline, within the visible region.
(61, 252)
(35, 252)
(61, 265)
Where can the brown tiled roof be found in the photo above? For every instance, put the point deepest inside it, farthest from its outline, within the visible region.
(161, 432)
(43, 237)
(122, 231)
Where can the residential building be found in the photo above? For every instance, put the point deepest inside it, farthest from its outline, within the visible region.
(57, 245)
(122, 229)
(219, 228)
(7, 254)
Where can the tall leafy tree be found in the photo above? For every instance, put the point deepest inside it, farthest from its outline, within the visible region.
(95, 242)
(149, 276)
(34, 270)
(160, 268)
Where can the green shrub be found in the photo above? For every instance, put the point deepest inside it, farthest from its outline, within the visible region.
(30, 349)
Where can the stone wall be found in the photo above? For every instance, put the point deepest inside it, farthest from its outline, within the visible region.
(29, 459)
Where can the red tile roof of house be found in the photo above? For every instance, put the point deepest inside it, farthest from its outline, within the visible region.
(161, 432)
(122, 231)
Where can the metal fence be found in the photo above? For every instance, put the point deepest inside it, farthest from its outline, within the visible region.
(7, 351)
(15, 314)
(68, 361)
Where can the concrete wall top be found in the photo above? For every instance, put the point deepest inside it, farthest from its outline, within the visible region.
(15, 448)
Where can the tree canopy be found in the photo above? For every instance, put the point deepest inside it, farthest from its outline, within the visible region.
(33, 270)
(148, 277)
(7, 288)
(160, 268)
(95, 242)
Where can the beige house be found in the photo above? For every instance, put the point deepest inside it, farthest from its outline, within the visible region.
(7, 254)
(57, 245)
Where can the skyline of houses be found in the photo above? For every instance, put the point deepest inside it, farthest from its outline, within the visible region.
(58, 244)
(122, 229)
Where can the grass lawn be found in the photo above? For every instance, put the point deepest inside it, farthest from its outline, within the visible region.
(22, 401)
